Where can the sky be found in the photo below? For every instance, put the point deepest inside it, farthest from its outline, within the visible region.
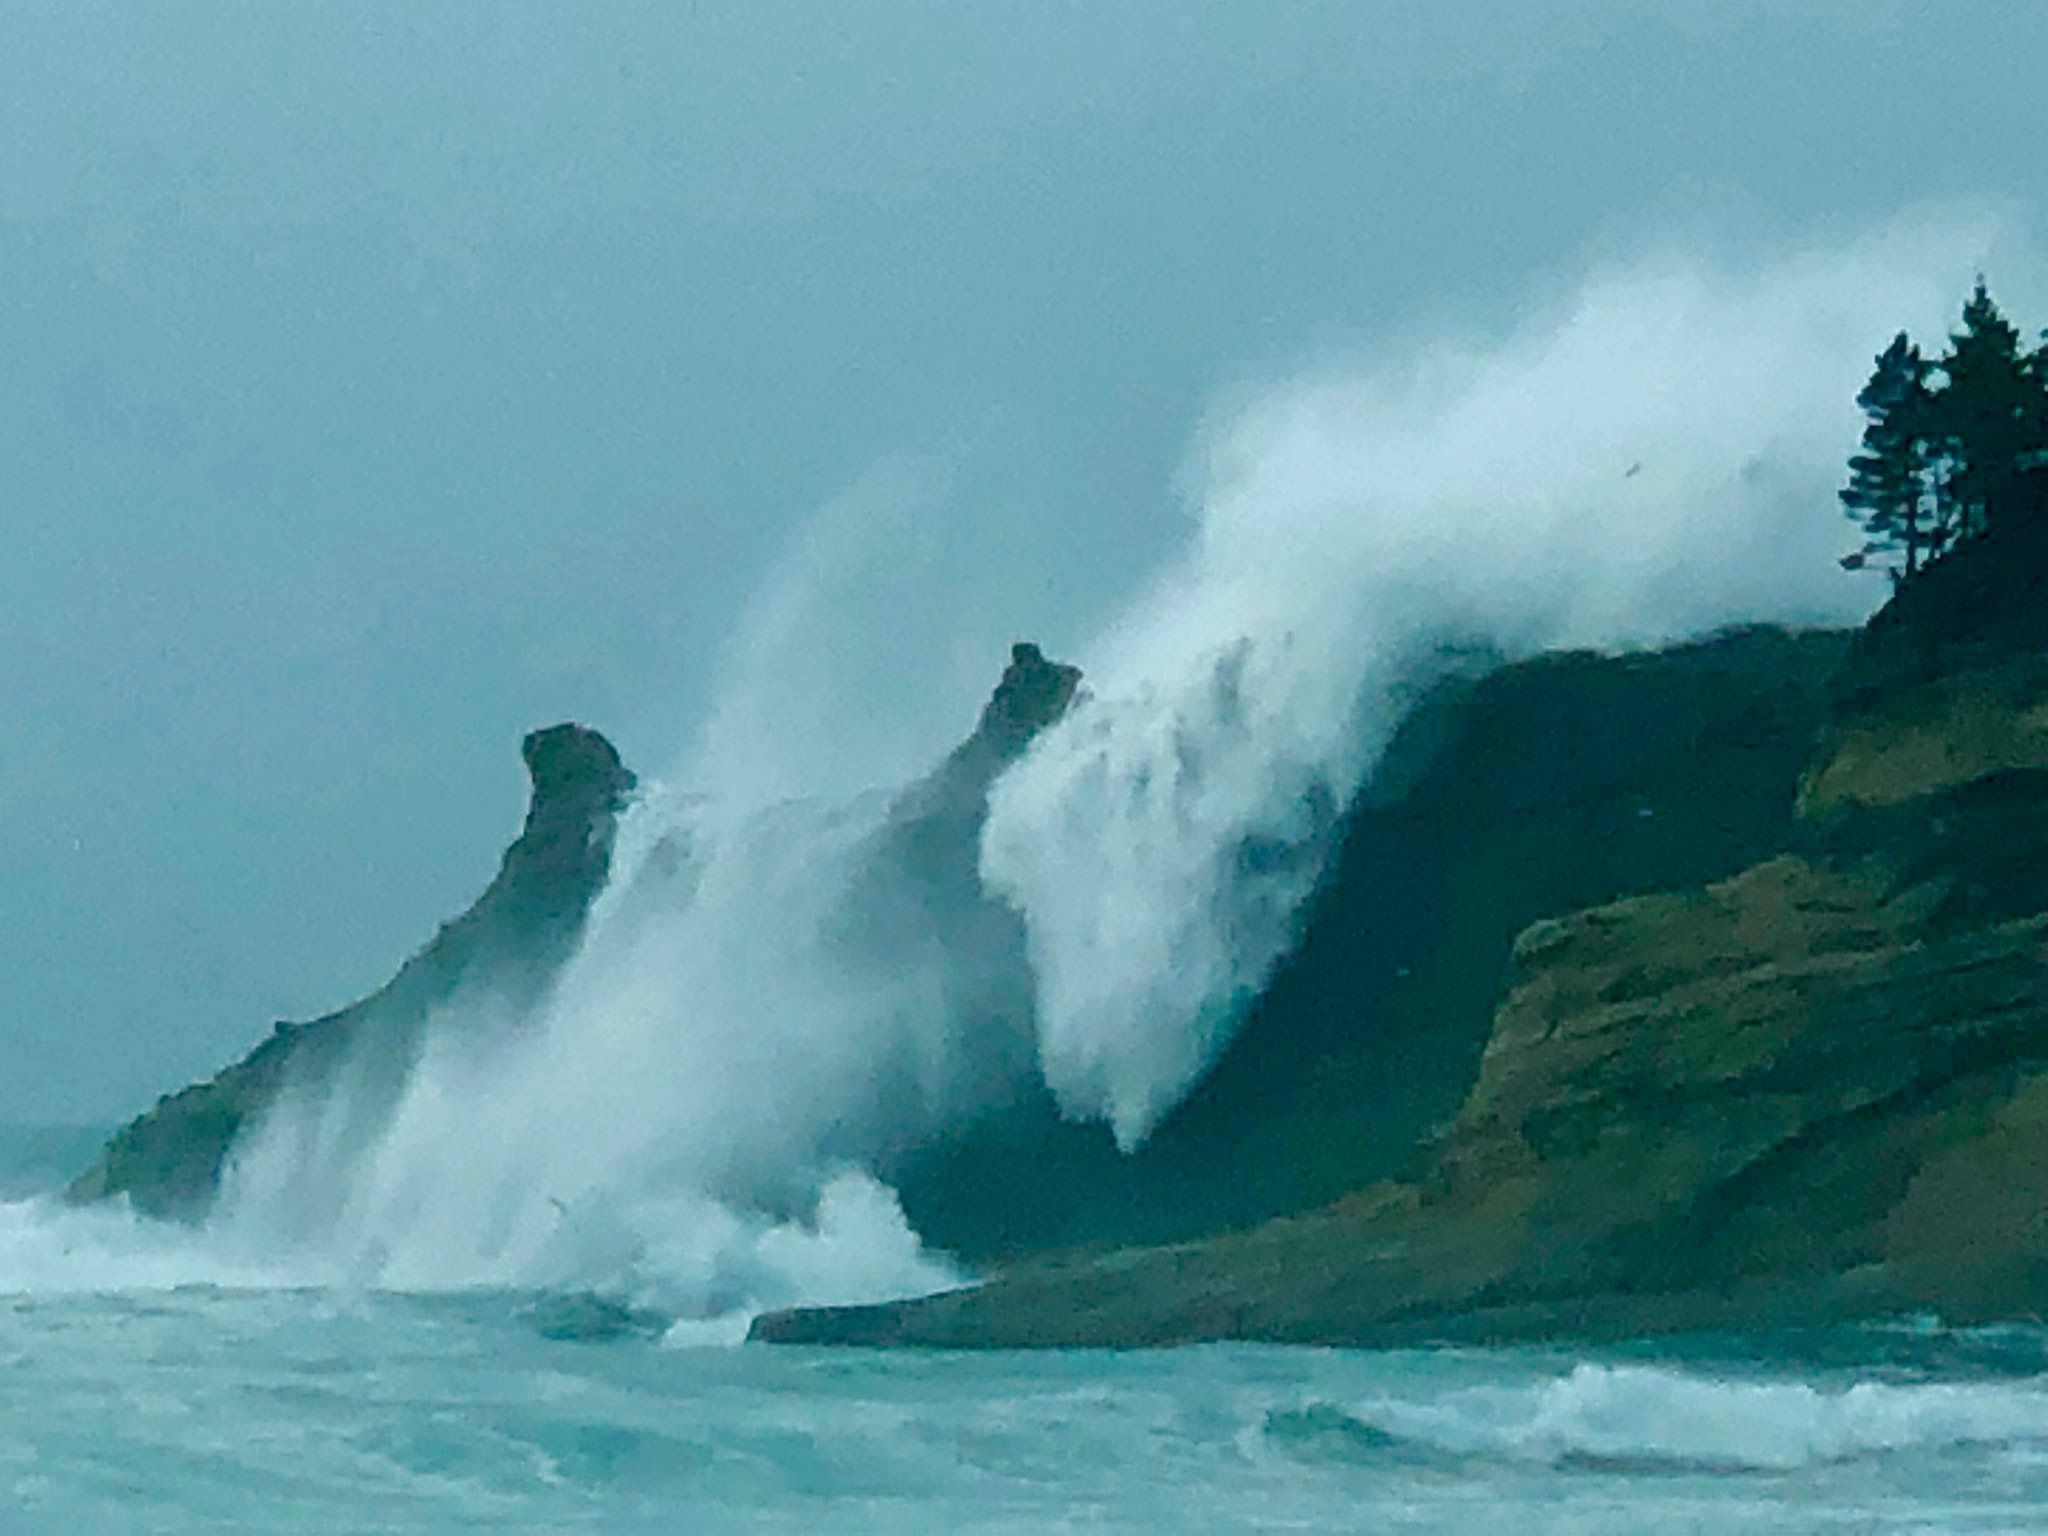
(380, 381)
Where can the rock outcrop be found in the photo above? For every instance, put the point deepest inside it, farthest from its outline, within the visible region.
(1554, 784)
(920, 894)
(916, 906)
(1814, 1089)
(168, 1161)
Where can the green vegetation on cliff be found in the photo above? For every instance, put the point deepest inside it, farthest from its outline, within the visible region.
(1954, 447)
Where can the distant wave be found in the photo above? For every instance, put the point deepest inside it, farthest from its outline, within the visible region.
(1639, 1419)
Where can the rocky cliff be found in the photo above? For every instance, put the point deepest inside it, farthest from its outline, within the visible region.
(1645, 991)
(1815, 1088)
(921, 892)
(168, 1161)
(1542, 787)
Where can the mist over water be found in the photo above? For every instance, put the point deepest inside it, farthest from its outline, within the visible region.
(762, 1004)
(683, 1121)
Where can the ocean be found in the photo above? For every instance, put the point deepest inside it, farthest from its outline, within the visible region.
(147, 1385)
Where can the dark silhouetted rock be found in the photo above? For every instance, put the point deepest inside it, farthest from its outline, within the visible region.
(168, 1161)
(587, 1317)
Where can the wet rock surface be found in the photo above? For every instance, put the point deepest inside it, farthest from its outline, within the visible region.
(1816, 1089)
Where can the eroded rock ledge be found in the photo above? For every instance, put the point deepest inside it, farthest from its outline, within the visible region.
(1814, 1090)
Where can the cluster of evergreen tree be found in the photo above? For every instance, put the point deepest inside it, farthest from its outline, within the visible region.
(1955, 447)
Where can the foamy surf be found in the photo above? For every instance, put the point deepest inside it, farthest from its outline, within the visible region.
(1640, 1419)
(49, 1248)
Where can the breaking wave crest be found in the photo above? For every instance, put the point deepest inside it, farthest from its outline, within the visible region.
(48, 1248)
(1641, 465)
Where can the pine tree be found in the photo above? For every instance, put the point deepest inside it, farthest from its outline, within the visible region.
(1989, 418)
(1889, 485)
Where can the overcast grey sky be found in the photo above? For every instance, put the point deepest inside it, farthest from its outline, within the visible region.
(379, 380)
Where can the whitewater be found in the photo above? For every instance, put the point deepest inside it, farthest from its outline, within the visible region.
(507, 1295)
(766, 999)
(236, 1406)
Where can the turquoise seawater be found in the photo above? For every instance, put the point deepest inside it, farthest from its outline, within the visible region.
(210, 1408)
(151, 1383)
